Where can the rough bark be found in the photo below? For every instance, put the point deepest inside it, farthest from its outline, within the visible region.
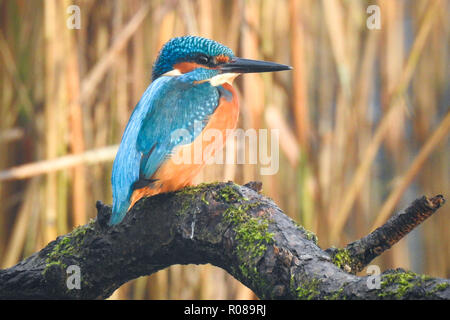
(230, 226)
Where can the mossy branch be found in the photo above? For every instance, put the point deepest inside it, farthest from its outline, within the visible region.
(230, 226)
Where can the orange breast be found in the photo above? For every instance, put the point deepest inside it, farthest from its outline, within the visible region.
(173, 175)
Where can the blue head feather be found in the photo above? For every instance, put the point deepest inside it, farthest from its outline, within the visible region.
(187, 48)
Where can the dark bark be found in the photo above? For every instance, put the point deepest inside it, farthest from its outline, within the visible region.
(230, 226)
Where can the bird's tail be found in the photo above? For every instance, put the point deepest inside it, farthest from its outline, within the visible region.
(120, 209)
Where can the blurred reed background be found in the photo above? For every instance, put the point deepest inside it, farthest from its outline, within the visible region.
(363, 118)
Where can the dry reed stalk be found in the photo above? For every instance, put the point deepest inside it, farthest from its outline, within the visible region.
(77, 144)
(234, 25)
(51, 110)
(435, 174)
(19, 232)
(334, 20)
(11, 135)
(95, 75)
(187, 12)
(358, 178)
(205, 23)
(253, 95)
(253, 86)
(140, 74)
(438, 135)
(50, 166)
(391, 71)
(120, 70)
(363, 127)
(299, 74)
(11, 68)
(166, 29)
(140, 289)
(288, 143)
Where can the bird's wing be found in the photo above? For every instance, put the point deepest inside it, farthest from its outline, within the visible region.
(172, 121)
(169, 104)
(176, 107)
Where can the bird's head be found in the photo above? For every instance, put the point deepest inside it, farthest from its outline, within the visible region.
(184, 54)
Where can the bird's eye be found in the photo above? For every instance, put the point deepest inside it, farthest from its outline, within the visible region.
(202, 59)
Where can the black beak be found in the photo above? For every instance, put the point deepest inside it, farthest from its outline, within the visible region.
(239, 65)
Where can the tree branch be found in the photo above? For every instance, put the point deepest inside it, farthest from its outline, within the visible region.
(357, 255)
(230, 226)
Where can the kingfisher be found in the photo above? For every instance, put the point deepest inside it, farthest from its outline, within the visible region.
(191, 90)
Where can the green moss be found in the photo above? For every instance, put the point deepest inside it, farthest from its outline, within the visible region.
(292, 282)
(311, 236)
(193, 191)
(438, 287)
(54, 263)
(252, 233)
(442, 286)
(184, 208)
(424, 277)
(81, 231)
(342, 259)
(204, 199)
(309, 290)
(229, 194)
(62, 248)
(400, 283)
(338, 295)
(67, 246)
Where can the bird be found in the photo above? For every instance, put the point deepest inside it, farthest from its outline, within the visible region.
(191, 90)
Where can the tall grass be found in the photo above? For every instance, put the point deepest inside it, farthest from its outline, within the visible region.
(363, 118)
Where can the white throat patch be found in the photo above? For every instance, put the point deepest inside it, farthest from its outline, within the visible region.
(223, 78)
(173, 73)
(215, 81)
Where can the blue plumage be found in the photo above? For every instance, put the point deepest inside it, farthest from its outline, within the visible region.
(168, 104)
(186, 49)
(174, 101)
